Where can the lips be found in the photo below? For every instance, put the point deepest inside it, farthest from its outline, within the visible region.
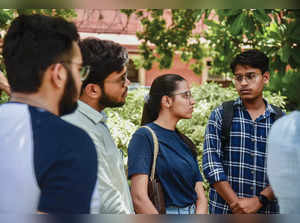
(245, 91)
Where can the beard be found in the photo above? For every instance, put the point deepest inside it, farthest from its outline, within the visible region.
(105, 101)
(68, 102)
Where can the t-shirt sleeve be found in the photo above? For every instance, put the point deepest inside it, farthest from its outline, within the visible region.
(140, 153)
(67, 184)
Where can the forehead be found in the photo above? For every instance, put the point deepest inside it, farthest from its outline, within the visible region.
(182, 85)
(243, 69)
(115, 75)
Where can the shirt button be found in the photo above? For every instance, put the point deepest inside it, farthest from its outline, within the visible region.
(252, 139)
(252, 154)
(252, 171)
(251, 188)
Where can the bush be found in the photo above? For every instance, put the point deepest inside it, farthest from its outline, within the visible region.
(125, 120)
(287, 85)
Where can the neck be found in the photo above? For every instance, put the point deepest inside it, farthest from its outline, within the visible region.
(166, 121)
(35, 100)
(92, 103)
(254, 104)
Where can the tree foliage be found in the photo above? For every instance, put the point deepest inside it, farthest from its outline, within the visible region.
(276, 32)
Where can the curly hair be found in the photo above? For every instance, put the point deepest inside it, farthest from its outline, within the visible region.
(104, 57)
(31, 45)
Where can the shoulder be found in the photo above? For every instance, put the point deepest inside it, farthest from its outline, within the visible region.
(286, 127)
(217, 113)
(144, 131)
(57, 131)
(142, 140)
(73, 116)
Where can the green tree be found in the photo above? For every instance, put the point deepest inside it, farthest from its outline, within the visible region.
(276, 32)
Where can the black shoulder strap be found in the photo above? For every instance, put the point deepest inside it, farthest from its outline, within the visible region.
(226, 122)
(278, 111)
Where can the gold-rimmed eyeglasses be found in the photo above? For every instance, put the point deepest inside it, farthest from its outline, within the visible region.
(249, 77)
(185, 94)
(83, 70)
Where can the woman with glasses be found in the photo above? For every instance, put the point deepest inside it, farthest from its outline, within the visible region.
(169, 101)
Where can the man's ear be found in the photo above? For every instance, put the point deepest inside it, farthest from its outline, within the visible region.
(266, 77)
(58, 75)
(92, 90)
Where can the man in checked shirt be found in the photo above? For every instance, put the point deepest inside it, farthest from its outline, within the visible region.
(237, 173)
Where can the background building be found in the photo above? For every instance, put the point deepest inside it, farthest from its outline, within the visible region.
(114, 25)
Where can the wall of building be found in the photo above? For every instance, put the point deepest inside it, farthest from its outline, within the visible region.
(113, 25)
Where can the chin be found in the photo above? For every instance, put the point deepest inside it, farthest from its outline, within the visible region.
(247, 97)
(187, 116)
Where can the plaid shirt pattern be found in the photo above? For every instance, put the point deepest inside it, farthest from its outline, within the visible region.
(243, 162)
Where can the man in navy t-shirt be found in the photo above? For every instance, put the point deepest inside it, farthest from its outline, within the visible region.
(47, 165)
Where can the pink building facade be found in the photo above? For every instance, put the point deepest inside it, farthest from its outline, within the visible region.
(114, 25)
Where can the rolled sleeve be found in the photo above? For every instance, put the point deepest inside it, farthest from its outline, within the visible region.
(212, 151)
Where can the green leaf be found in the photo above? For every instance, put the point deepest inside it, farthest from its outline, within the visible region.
(284, 53)
(211, 23)
(237, 25)
(296, 55)
(261, 16)
(229, 12)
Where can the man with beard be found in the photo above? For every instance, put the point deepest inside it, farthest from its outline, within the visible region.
(47, 164)
(106, 86)
(234, 155)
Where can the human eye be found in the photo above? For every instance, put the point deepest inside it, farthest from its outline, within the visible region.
(238, 77)
(187, 94)
(251, 76)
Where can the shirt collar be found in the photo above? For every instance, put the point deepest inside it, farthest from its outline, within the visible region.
(269, 109)
(94, 115)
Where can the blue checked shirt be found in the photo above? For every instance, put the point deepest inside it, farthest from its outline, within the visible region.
(243, 162)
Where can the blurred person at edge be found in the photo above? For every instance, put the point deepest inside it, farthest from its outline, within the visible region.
(47, 165)
(169, 101)
(4, 86)
(106, 86)
(237, 171)
(284, 162)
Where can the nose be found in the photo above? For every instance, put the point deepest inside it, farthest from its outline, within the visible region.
(244, 81)
(127, 83)
(192, 101)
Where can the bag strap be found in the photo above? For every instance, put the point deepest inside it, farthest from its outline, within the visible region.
(226, 122)
(155, 152)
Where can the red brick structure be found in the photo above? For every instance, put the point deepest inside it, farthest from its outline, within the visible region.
(114, 25)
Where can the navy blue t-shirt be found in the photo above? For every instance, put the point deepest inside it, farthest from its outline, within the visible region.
(46, 164)
(176, 167)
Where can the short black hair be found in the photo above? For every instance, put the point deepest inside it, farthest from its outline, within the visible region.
(31, 45)
(104, 57)
(253, 58)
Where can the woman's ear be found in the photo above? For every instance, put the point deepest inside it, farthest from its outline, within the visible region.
(166, 101)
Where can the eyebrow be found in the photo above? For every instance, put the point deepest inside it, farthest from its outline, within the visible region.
(252, 72)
